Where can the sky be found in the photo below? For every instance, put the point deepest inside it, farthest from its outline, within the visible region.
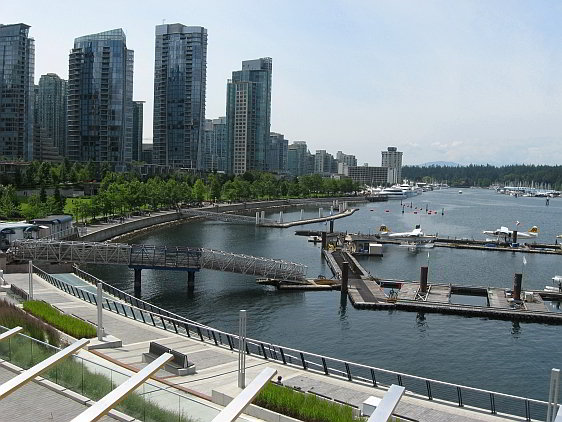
(462, 81)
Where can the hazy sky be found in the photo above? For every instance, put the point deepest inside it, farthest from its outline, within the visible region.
(464, 81)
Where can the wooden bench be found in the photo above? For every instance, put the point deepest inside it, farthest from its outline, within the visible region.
(179, 365)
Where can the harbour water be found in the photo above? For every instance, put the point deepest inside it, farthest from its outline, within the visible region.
(505, 356)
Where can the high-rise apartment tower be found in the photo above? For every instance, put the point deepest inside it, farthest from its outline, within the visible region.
(100, 99)
(17, 67)
(180, 77)
(248, 115)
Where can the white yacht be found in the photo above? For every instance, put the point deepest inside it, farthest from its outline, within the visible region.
(394, 192)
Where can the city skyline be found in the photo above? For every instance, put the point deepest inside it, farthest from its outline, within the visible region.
(464, 82)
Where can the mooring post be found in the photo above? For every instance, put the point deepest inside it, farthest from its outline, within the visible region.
(517, 282)
(320, 212)
(100, 311)
(30, 280)
(344, 277)
(280, 216)
(514, 236)
(553, 393)
(137, 282)
(331, 226)
(331, 210)
(242, 350)
(262, 216)
(257, 218)
(324, 242)
(423, 279)
(302, 212)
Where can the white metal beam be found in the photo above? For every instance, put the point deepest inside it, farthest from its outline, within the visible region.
(242, 400)
(559, 415)
(106, 403)
(6, 335)
(388, 404)
(26, 376)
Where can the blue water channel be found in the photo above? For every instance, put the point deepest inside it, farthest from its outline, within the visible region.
(505, 356)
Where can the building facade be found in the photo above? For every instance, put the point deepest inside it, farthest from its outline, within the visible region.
(248, 114)
(371, 176)
(324, 163)
(50, 112)
(214, 145)
(138, 110)
(146, 156)
(278, 153)
(346, 159)
(392, 160)
(180, 79)
(100, 99)
(17, 70)
(298, 159)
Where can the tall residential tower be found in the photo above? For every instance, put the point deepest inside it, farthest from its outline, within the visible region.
(51, 112)
(248, 115)
(17, 67)
(100, 99)
(180, 77)
(392, 160)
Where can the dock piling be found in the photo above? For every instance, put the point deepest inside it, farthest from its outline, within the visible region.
(344, 278)
(137, 282)
(423, 279)
(281, 216)
(263, 216)
(302, 212)
(324, 242)
(514, 236)
(320, 212)
(517, 282)
(331, 226)
(257, 218)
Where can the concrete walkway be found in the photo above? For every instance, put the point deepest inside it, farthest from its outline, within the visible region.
(217, 367)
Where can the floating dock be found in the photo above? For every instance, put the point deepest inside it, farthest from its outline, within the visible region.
(366, 292)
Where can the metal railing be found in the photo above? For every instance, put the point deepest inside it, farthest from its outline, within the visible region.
(63, 234)
(93, 380)
(426, 388)
(147, 256)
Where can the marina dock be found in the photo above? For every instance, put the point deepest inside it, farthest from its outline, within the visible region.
(367, 292)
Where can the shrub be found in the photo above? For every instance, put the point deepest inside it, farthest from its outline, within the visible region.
(306, 407)
(66, 323)
(11, 316)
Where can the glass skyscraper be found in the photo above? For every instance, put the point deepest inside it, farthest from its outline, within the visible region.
(248, 115)
(100, 99)
(51, 111)
(180, 77)
(17, 67)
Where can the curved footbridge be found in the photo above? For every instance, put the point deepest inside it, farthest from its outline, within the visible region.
(139, 257)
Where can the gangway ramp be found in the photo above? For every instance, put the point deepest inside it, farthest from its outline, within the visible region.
(180, 258)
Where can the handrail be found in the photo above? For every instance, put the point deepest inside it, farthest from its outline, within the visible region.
(110, 400)
(26, 376)
(387, 405)
(295, 357)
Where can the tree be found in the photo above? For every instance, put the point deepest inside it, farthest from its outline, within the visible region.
(215, 186)
(199, 190)
(43, 194)
(9, 202)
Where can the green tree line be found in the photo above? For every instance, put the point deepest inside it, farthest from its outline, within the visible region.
(124, 193)
(486, 175)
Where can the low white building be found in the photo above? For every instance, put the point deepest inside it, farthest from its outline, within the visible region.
(16, 230)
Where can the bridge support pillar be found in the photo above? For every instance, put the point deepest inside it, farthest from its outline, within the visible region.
(137, 282)
(190, 280)
(344, 278)
(331, 226)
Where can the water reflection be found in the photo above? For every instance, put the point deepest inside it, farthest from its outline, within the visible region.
(515, 329)
(421, 323)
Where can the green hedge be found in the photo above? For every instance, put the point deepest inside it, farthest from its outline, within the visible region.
(67, 324)
(306, 407)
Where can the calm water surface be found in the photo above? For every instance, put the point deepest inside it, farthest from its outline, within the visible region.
(505, 356)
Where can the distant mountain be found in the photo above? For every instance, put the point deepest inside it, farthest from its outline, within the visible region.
(439, 163)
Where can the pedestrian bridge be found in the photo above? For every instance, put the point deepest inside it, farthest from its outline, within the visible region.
(180, 258)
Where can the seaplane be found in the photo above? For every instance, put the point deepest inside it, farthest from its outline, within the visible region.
(504, 232)
(415, 235)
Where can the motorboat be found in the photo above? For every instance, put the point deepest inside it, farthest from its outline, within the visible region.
(460, 192)
(394, 192)
(314, 239)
